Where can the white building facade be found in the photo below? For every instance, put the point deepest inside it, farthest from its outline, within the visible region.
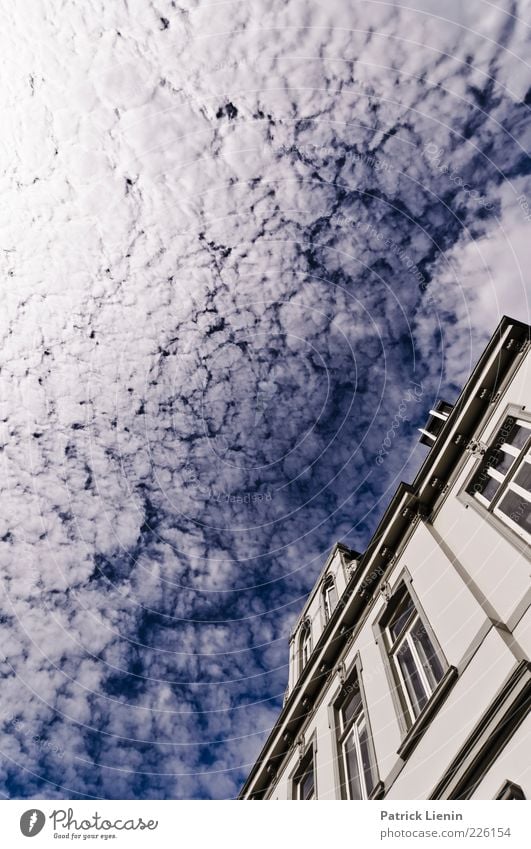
(410, 674)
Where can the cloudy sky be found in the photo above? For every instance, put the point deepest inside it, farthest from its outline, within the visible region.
(235, 239)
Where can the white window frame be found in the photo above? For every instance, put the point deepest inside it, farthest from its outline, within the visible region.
(305, 645)
(306, 763)
(506, 480)
(406, 638)
(329, 587)
(393, 645)
(353, 730)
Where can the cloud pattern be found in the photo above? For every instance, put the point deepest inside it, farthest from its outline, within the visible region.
(236, 238)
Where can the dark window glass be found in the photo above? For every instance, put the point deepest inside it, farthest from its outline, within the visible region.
(523, 478)
(330, 598)
(502, 461)
(352, 705)
(413, 682)
(353, 773)
(307, 784)
(401, 616)
(518, 509)
(417, 665)
(366, 760)
(518, 436)
(428, 657)
(485, 485)
(496, 458)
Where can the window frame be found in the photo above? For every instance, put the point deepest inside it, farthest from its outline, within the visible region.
(301, 770)
(305, 643)
(407, 719)
(329, 584)
(341, 734)
(490, 510)
(353, 671)
(510, 791)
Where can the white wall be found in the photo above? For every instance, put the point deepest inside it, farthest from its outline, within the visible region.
(457, 619)
(493, 561)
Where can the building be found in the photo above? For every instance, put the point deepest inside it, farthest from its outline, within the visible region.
(409, 672)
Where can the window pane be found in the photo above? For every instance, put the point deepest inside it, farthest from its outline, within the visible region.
(306, 647)
(496, 458)
(427, 654)
(307, 784)
(353, 771)
(401, 615)
(502, 461)
(412, 679)
(518, 509)
(518, 436)
(523, 478)
(332, 596)
(485, 485)
(366, 760)
(352, 705)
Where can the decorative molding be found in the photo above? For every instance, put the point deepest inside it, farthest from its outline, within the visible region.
(423, 510)
(271, 771)
(517, 346)
(351, 567)
(385, 590)
(300, 746)
(341, 672)
(476, 448)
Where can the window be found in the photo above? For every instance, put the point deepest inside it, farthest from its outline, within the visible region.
(356, 754)
(329, 597)
(305, 645)
(304, 780)
(502, 484)
(512, 791)
(417, 664)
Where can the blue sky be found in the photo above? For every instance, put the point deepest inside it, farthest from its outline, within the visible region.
(237, 239)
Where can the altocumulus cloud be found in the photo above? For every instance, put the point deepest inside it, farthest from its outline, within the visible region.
(229, 251)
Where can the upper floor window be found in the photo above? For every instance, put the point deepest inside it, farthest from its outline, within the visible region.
(357, 762)
(304, 779)
(329, 597)
(502, 484)
(305, 645)
(416, 662)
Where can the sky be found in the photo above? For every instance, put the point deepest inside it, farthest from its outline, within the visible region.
(237, 239)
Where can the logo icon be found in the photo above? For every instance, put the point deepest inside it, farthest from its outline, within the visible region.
(32, 822)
